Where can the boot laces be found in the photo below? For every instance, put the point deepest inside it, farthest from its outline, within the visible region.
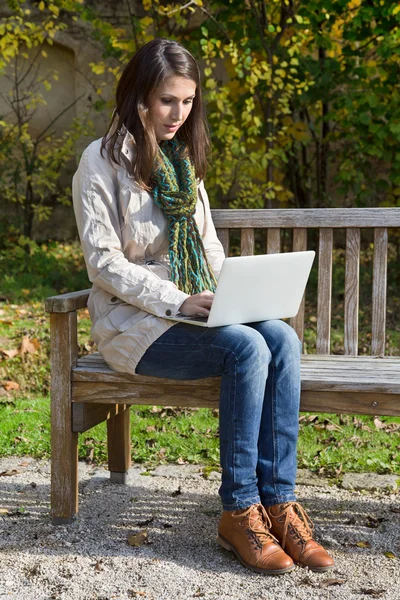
(259, 524)
(297, 525)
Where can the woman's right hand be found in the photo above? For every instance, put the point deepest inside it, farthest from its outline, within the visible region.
(198, 304)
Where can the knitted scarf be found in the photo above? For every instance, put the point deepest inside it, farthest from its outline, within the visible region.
(175, 192)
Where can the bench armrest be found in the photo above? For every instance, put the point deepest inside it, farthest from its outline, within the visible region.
(65, 303)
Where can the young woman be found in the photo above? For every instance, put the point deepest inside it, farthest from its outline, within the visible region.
(151, 252)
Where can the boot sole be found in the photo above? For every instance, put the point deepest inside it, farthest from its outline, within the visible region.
(225, 544)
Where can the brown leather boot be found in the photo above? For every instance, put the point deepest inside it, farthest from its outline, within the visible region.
(293, 528)
(246, 533)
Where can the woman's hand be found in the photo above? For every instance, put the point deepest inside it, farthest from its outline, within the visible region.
(198, 304)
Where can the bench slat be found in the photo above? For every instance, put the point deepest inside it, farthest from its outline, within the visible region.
(324, 291)
(351, 295)
(273, 240)
(299, 245)
(306, 217)
(379, 291)
(247, 242)
(357, 373)
(223, 236)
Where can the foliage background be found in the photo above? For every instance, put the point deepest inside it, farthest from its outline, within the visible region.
(302, 97)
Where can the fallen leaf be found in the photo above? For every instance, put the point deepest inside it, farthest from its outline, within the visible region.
(378, 423)
(29, 345)
(366, 428)
(390, 555)
(180, 461)
(306, 581)
(328, 582)
(362, 544)
(10, 473)
(3, 511)
(372, 592)
(373, 522)
(6, 322)
(150, 428)
(137, 539)
(98, 566)
(9, 353)
(391, 427)
(11, 385)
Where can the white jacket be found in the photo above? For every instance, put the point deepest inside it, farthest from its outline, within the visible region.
(124, 240)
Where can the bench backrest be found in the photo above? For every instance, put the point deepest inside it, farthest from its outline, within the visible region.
(325, 221)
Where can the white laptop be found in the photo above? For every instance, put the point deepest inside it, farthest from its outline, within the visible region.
(257, 288)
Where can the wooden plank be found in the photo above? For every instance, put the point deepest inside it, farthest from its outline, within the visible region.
(65, 303)
(379, 291)
(247, 242)
(306, 217)
(311, 400)
(86, 416)
(162, 394)
(351, 403)
(64, 442)
(274, 241)
(223, 235)
(299, 245)
(374, 360)
(324, 291)
(351, 294)
(119, 442)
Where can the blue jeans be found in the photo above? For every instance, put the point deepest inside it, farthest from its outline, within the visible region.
(259, 365)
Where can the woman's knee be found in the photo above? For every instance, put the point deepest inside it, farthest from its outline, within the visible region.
(246, 344)
(279, 335)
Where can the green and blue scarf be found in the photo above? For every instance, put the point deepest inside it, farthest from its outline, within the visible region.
(175, 192)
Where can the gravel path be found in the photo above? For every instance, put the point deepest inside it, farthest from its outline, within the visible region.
(92, 560)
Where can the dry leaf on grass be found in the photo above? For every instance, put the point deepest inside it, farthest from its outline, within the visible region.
(11, 385)
(9, 353)
(390, 555)
(137, 539)
(378, 423)
(6, 322)
(29, 345)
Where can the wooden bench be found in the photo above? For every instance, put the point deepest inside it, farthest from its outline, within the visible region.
(85, 391)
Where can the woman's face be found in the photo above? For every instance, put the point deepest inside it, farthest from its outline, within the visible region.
(170, 105)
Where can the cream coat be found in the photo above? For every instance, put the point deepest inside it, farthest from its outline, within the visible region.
(124, 240)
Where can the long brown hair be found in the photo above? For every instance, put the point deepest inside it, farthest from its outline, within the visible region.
(149, 66)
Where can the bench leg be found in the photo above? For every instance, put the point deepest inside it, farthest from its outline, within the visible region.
(64, 476)
(64, 442)
(119, 446)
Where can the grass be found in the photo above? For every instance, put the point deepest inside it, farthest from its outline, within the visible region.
(328, 444)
